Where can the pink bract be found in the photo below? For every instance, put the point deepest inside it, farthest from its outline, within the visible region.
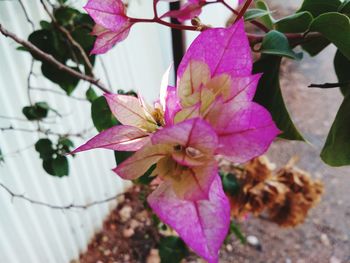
(112, 24)
(187, 11)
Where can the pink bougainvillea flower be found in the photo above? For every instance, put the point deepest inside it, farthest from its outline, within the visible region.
(210, 112)
(190, 197)
(189, 10)
(112, 24)
(215, 83)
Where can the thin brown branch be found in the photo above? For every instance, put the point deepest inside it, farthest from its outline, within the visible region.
(243, 10)
(26, 14)
(329, 85)
(46, 132)
(49, 58)
(70, 39)
(58, 207)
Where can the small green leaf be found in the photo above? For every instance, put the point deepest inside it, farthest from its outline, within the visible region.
(318, 7)
(172, 249)
(235, 229)
(230, 184)
(276, 43)
(267, 20)
(44, 148)
(146, 178)
(60, 166)
(296, 23)
(36, 112)
(336, 151)
(342, 69)
(255, 13)
(270, 96)
(102, 116)
(91, 94)
(45, 25)
(21, 48)
(64, 145)
(345, 7)
(47, 165)
(65, 15)
(315, 46)
(336, 28)
(121, 156)
(65, 80)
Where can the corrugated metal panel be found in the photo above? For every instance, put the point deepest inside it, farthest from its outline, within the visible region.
(30, 233)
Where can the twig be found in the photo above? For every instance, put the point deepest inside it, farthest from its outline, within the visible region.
(243, 10)
(58, 207)
(46, 132)
(59, 93)
(70, 38)
(49, 58)
(26, 14)
(329, 85)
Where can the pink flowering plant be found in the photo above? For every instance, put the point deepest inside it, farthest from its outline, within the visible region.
(226, 105)
(210, 113)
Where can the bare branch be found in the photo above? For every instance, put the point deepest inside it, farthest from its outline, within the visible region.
(58, 207)
(49, 58)
(26, 14)
(329, 85)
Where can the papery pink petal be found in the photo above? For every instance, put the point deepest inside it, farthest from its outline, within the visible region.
(107, 39)
(108, 13)
(172, 105)
(164, 87)
(243, 88)
(195, 133)
(188, 11)
(141, 161)
(203, 225)
(128, 110)
(224, 50)
(117, 138)
(194, 184)
(245, 130)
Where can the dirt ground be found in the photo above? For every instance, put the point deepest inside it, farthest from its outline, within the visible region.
(323, 238)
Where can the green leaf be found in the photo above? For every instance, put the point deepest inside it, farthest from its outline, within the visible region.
(315, 46)
(296, 23)
(318, 7)
(47, 165)
(230, 184)
(60, 166)
(255, 13)
(65, 145)
(102, 116)
(270, 96)
(336, 28)
(342, 69)
(121, 156)
(66, 81)
(267, 20)
(336, 151)
(46, 25)
(65, 15)
(172, 249)
(21, 48)
(36, 112)
(44, 148)
(235, 229)
(91, 94)
(276, 43)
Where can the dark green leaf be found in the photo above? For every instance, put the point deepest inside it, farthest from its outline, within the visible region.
(255, 13)
(172, 249)
(45, 25)
(318, 7)
(230, 184)
(235, 229)
(276, 43)
(342, 69)
(336, 151)
(270, 96)
(91, 94)
(44, 148)
(47, 165)
(296, 23)
(267, 20)
(21, 48)
(66, 81)
(102, 116)
(336, 28)
(65, 15)
(121, 156)
(36, 112)
(60, 166)
(315, 46)
(65, 145)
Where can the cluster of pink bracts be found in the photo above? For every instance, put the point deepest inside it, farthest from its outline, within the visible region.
(210, 112)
